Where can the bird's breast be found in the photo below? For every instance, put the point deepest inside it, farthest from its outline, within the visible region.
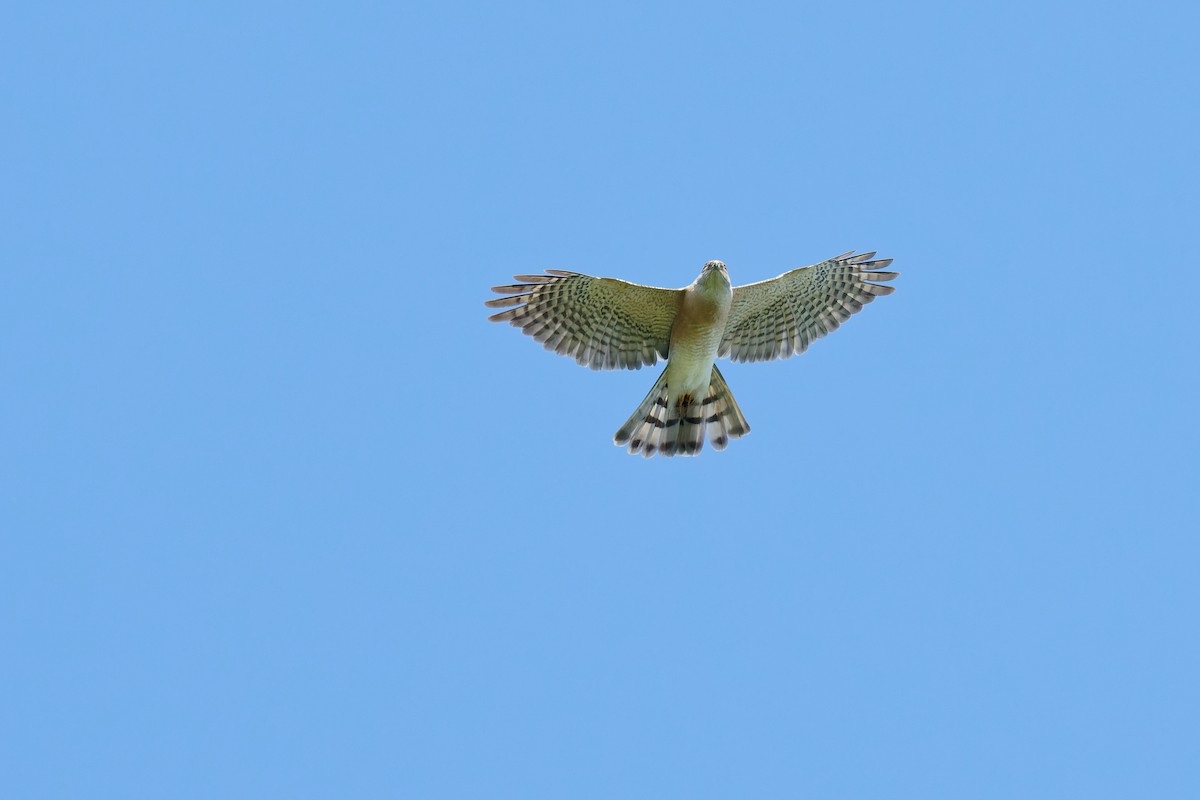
(697, 333)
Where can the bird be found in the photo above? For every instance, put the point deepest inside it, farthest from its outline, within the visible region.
(608, 323)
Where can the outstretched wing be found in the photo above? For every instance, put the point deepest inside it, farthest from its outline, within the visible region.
(782, 316)
(602, 323)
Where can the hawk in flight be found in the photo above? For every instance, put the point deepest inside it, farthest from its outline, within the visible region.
(605, 323)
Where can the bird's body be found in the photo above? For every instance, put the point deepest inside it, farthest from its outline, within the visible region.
(696, 334)
(607, 323)
(690, 394)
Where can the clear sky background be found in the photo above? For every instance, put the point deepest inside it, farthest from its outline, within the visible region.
(284, 516)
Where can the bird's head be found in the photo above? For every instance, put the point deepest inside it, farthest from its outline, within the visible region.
(714, 276)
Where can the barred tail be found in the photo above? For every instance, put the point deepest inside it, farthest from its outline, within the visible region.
(725, 419)
(644, 429)
(676, 425)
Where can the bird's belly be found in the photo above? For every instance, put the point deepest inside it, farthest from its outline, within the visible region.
(693, 351)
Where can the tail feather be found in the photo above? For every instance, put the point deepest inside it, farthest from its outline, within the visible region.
(676, 425)
(725, 420)
(684, 434)
(643, 430)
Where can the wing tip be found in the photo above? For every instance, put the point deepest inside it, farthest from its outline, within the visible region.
(505, 316)
(513, 288)
(504, 302)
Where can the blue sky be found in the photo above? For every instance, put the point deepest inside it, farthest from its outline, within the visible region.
(284, 516)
